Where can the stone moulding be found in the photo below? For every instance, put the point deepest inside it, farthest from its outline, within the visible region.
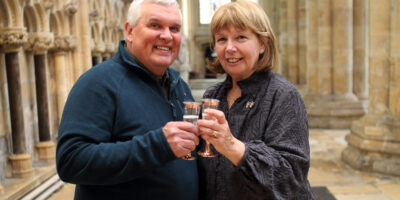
(13, 38)
(71, 8)
(46, 151)
(109, 47)
(98, 47)
(64, 43)
(39, 42)
(21, 165)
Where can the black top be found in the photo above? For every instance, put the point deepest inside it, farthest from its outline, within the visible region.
(271, 119)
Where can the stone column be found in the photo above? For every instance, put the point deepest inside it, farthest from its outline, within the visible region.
(312, 50)
(39, 43)
(302, 41)
(292, 46)
(82, 53)
(334, 105)
(97, 51)
(360, 41)
(96, 59)
(62, 45)
(12, 39)
(283, 39)
(374, 142)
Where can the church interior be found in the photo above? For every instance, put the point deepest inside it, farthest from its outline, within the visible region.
(342, 55)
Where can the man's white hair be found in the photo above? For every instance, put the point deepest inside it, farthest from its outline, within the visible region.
(135, 9)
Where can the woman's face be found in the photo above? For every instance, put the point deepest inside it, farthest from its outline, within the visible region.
(238, 51)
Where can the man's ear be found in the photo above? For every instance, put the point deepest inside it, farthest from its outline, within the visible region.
(128, 32)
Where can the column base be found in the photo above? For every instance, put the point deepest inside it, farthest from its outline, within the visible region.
(1, 189)
(332, 111)
(46, 151)
(371, 161)
(373, 145)
(21, 165)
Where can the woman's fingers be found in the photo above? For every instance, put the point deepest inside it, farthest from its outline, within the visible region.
(217, 114)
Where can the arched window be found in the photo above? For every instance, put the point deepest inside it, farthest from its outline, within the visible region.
(207, 9)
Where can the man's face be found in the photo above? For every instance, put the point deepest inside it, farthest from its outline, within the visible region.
(156, 38)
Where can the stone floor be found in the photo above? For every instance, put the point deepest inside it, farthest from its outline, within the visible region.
(328, 170)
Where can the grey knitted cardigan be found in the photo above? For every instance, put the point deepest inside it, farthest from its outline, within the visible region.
(271, 119)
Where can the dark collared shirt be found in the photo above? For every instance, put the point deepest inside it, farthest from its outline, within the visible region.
(271, 119)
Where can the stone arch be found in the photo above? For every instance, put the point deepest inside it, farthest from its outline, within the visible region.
(55, 24)
(115, 37)
(43, 23)
(95, 29)
(107, 12)
(4, 15)
(15, 16)
(105, 35)
(63, 25)
(31, 19)
(95, 6)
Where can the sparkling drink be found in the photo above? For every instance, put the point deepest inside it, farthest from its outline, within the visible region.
(191, 114)
(191, 118)
(211, 104)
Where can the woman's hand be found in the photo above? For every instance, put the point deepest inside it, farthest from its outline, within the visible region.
(217, 132)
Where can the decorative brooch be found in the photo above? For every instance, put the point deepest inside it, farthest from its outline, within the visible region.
(249, 104)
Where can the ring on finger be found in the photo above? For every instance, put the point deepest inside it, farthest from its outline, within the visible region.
(215, 134)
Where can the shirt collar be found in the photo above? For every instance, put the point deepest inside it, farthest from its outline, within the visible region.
(164, 77)
(250, 85)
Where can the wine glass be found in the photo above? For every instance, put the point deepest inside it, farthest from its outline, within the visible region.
(208, 103)
(191, 114)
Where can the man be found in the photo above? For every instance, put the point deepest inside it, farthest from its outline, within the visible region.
(121, 133)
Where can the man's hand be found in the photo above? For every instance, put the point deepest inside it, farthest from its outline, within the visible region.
(182, 137)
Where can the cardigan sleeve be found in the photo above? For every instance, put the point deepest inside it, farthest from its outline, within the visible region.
(86, 152)
(277, 166)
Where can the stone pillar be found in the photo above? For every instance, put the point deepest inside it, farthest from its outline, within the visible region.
(312, 50)
(334, 105)
(283, 39)
(292, 46)
(374, 142)
(1, 189)
(12, 39)
(82, 54)
(39, 43)
(62, 46)
(360, 41)
(324, 47)
(97, 51)
(302, 41)
(96, 59)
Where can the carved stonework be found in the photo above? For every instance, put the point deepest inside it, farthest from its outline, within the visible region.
(110, 48)
(48, 4)
(98, 47)
(94, 15)
(71, 8)
(11, 39)
(39, 42)
(21, 165)
(64, 43)
(46, 151)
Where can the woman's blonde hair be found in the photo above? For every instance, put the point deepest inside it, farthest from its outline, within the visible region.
(245, 15)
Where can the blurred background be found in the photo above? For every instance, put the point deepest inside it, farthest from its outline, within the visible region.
(342, 55)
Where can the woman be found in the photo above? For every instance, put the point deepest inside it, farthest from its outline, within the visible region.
(261, 131)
